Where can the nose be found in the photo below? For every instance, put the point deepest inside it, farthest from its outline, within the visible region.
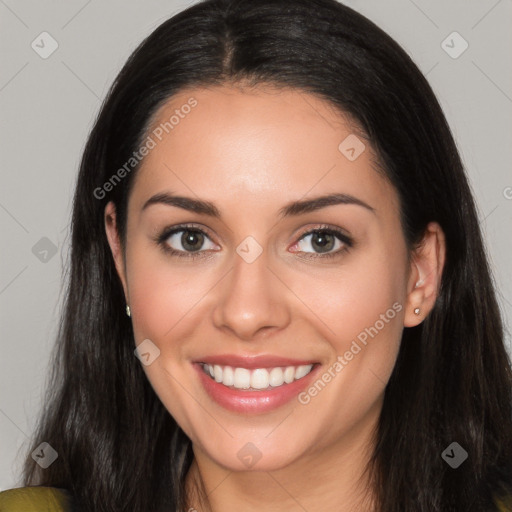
(252, 300)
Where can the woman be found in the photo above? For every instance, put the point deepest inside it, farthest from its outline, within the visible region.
(279, 297)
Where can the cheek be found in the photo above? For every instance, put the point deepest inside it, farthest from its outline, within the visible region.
(358, 309)
(358, 294)
(164, 297)
(162, 292)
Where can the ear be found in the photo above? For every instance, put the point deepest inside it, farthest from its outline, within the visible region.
(115, 244)
(427, 263)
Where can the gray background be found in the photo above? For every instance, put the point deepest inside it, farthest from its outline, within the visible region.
(47, 108)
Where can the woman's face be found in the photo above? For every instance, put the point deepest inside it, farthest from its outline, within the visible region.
(257, 288)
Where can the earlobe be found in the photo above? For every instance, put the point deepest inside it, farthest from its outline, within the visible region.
(427, 263)
(114, 242)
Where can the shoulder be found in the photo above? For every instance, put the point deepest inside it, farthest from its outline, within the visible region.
(504, 503)
(35, 499)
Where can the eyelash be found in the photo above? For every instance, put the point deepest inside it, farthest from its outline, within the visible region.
(167, 232)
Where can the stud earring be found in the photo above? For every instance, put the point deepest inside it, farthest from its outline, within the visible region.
(417, 311)
(128, 312)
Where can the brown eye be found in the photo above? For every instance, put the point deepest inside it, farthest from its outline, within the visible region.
(191, 240)
(185, 241)
(324, 242)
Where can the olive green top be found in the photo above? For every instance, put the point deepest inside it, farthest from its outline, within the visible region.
(51, 499)
(504, 504)
(35, 499)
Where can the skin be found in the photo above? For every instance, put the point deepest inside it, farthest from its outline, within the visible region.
(250, 152)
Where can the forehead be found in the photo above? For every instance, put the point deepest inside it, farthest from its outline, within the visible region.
(269, 145)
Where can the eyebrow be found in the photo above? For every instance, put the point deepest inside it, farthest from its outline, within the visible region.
(291, 209)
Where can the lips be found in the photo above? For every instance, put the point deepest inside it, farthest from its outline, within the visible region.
(264, 397)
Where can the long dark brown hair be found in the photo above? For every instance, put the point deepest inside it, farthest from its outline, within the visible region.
(119, 448)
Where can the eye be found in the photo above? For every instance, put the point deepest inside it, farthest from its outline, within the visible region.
(323, 240)
(188, 241)
(184, 241)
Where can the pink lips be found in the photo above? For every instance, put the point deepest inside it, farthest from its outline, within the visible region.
(253, 402)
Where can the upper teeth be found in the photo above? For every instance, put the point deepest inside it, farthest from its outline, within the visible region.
(260, 378)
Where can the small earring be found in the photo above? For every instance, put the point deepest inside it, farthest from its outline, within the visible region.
(128, 312)
(417, 311)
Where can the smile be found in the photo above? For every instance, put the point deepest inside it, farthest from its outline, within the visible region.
(255, 379)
